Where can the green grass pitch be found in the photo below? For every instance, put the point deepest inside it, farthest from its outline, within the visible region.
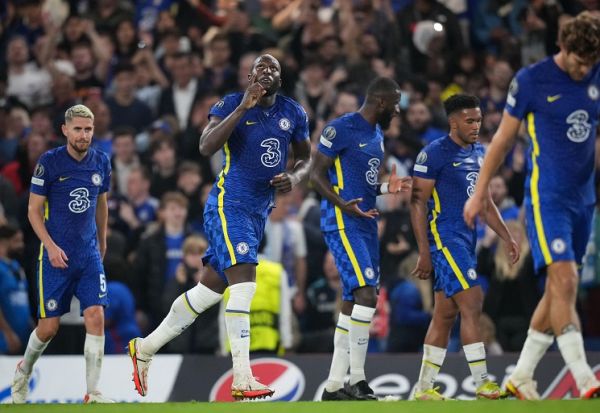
(504, 406)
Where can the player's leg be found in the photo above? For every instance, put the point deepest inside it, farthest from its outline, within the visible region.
(470, 304)
(365, 300)
(434, 347)
(92, 291)
(182, 314)
(562, 286)
(93, 352)
(340, 361)
(539, 339)
(55, 290)
(38, 341)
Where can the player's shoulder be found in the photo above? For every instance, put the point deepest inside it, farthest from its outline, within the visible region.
(438, 145)
(536, 70)
(291, 104)
(228, 100)
(53, 156)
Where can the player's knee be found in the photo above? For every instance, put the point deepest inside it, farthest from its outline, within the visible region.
(365, 296)
(563, 285)
(47, 332)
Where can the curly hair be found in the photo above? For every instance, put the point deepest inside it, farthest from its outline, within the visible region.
(581, 35)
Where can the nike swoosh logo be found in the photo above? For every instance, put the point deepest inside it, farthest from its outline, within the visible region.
(249, 123)
(554, 98)
(102, 295)
(456, 163)
(63, 178)
(244, 336)
(362, 145)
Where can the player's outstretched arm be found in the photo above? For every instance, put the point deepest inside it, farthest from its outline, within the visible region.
(395, 184)
(102, 222)
(218, 130)
(284, 182)
(35, 213)
(320, 179)
(421, 192)
(495, 222)
(503, 140)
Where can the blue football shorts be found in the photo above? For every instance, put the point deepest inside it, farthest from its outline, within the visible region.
(557, 232)
(454, 268)
(234, 235)
(83, 278)
(356, 255)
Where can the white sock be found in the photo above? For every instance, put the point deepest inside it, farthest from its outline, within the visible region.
(572, 351)
(93, 352)
(237, 321)
(183, 312)
(535, 347)
(341, 355)
(35, 348)
(433, 358)
(475, 355)
(360, 321)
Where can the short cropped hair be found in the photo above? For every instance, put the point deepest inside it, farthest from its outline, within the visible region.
(78, 111)
(581, 35)
(459, 102)
(381, 86)
(194, 244)
(173, 196)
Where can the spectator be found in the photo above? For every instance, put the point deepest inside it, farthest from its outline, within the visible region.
(15, 321)
(159, 253)
(124, 158)
(189, 182)
(164, 166)
(103, 133)
(125, 108)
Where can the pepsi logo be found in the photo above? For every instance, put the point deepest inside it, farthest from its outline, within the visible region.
(281, 375)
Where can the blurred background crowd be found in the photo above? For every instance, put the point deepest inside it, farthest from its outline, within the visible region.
(151, 69)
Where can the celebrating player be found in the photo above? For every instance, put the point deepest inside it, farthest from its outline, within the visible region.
(444, 177)
(68, 212)
(345, 173)
(254, 129)
(559, 98)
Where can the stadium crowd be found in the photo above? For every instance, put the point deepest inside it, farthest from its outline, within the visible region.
(151, 70)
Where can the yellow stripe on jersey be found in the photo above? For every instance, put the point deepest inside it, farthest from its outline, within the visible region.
(41, 284)
(461, 278)
(437, 209)
(535, 194)
(340, 224)
(46, 210)
(436, 212)
(221, 203)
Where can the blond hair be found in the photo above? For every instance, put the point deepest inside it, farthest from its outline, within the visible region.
(194, 244)
(78, 111)
(504, 269)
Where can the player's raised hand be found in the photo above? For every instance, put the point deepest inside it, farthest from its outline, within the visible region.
(351, 207)
(423, 268)
(253, 93)
(473, 207)
(283, 182)
(513, 251)
(397, 184)
(57, 257)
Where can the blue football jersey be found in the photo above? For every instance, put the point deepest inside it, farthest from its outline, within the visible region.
(256, 151)
(562, 118)
(71, 189)
(455, 170)
(357, 148)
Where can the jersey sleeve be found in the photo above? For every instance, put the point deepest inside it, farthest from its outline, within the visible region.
(428, 164)
(330, 141)
(301, 129)
(520, 93)
(224, 107)
(107, 173)
(41, 178)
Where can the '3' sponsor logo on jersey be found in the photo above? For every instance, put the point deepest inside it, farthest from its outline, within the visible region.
(81, 201)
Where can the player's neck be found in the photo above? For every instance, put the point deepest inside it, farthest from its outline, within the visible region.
(78, 156)
(267, 101)
(559, 59)
(458, 141)
(368, 115)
